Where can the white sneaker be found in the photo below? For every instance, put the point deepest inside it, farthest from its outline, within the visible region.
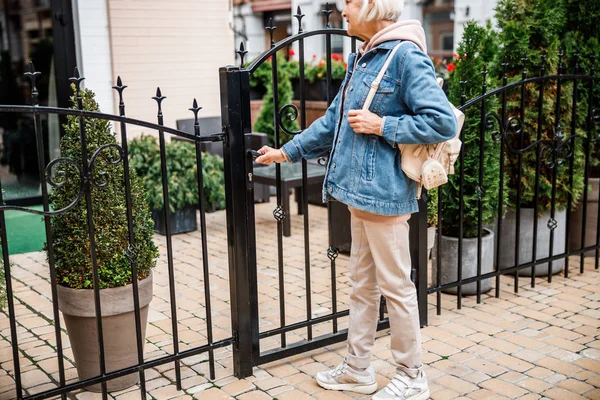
(403, 387)
(344, 377)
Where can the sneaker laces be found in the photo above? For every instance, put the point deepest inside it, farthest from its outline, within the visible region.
(399, 385)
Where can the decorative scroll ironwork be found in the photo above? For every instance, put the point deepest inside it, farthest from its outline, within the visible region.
(291, 115)
(110, 158)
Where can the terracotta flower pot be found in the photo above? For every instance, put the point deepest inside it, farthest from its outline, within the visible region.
(118, 327)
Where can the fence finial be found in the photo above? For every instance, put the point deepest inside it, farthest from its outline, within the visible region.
(544, 58)
(242, 53)
(76, 79)
(195, 110)
(119, 88)
(271, 27)
(32, 74)
(327, 13)
(159, 98)
(561, 54)
(299, 17)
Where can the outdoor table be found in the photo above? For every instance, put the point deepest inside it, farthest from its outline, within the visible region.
(291, 177)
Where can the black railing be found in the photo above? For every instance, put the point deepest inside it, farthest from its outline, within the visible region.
(89, 178)
(515, 142)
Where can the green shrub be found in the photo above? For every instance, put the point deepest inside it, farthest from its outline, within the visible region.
(72, 250)
(528, 28)
(476, 49)
(264, 122)
(144, 155)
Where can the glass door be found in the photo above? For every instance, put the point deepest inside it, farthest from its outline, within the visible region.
(40, 31)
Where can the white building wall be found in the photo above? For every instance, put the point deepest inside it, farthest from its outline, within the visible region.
(479, 10)
(252, 26)
(93, 50)
(177, 45)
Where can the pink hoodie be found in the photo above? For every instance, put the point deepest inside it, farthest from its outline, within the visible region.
(402, 30)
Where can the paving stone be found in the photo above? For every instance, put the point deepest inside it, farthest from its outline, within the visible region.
(562, 394)
(211, 394)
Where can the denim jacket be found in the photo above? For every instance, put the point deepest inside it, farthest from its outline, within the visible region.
(364, 170)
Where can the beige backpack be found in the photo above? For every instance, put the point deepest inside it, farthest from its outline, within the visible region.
(427, 164)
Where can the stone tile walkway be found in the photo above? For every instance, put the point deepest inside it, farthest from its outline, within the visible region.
(543, 342)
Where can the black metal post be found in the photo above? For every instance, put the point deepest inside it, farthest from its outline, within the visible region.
(418, 255)
(241, 237)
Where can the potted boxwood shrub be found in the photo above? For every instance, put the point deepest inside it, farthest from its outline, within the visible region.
(531, 28)
(72, 253)
(476, 49)
(183, 181)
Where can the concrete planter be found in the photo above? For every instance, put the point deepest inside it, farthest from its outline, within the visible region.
(118, 327)
(449, 262)
(576, 218)
(506, 258)
(182, 220)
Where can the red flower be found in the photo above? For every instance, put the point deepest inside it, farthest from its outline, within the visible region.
(455, 55)
(336, 57)
(292, 53)
(314, 56)
(321, 63)
(269, 59)
(451, 67)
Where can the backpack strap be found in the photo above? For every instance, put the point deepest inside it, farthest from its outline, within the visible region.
(375, 83)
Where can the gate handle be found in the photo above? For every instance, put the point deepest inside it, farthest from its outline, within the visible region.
(253, 153)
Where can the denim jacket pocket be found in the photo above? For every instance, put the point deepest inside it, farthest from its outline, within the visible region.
(368, 167)
(383, 94)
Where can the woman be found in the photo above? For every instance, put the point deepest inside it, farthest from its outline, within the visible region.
(364, 172)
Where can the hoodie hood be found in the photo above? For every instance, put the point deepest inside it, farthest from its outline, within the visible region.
(402, 30)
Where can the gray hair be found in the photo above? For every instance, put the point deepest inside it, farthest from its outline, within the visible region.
(383, 10)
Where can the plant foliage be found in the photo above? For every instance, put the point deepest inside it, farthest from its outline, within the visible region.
(475, 50)
(529, 29)
(265, 120)
(182, 172)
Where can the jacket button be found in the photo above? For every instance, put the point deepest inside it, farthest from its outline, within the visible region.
(364, 65)
(333, 165)
(330, 189)
(339, 140)
(351, 88)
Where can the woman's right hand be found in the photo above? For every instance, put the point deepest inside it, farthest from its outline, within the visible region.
(270, 155)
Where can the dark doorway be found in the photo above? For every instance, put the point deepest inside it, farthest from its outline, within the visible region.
(40, 31)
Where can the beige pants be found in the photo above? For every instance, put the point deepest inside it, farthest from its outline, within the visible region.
(380, 264)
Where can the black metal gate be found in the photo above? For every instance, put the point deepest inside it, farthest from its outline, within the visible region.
(236, 112)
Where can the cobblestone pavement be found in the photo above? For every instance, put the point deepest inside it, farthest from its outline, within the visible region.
(542, 342)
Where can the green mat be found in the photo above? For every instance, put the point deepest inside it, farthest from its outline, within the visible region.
(25, 231)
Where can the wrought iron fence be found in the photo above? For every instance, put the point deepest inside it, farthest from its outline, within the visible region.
(556, 156)
(89, 178)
